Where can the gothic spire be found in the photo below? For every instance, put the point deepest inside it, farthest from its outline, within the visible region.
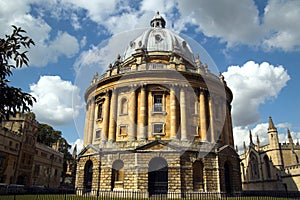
(250, 136)
(245, 148)
(74, 154)
(257, 140)
(271, 124)
(289, 133)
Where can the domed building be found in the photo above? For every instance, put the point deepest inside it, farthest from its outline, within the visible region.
(158, 121)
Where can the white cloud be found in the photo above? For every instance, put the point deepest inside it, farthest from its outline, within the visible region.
(231, 21)
(79, 143)
(46, 49)
(55, 104)
(252, 85)
(43, 52)
(282, 21)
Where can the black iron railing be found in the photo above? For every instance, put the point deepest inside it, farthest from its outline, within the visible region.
(81, 194)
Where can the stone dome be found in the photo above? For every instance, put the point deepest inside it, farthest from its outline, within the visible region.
(159, 39)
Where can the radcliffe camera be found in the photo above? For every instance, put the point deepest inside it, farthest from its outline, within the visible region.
(116, 100)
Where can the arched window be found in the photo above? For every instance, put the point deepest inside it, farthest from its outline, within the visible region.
(198, 182)
(124, 106)
(254, 167)
(88, 176)
(117, 175)
(99, 114)
(267, 166)
(243, 171)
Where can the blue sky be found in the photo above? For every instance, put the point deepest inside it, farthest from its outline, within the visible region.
(254, 43)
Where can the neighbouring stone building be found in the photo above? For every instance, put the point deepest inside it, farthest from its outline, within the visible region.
(23, 160)
(274, 166)
(158, 121)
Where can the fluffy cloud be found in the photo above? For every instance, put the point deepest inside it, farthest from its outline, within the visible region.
(46, 49)
(79, 143)
(240, 23)
(252, 84)
(58, 101)
(43, 53)
(233, 23)
(282, 19)
(230, 21)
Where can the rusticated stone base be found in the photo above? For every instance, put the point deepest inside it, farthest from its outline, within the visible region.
(180, 169)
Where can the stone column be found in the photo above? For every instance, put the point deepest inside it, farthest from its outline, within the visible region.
(132, 115)
(211, 119)
(173, 121)
(183, 114)
(86, 124)
(91, 122)
(150, 109)
(142, 114)
(104, 133)
(202, 116)
(113, 116)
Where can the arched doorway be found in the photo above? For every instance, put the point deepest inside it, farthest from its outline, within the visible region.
(227, 174)
(158, 176)
(88, 176)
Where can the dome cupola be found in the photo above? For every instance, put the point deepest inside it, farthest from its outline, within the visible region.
(158, 21)
(159, 40)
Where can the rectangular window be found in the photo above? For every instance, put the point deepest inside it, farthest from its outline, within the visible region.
(36, 170)
(44, 154)
(158, 129)
(157, 103)
(98, 133)
(123, 130)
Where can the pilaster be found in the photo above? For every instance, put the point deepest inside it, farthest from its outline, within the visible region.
(173, 121)
(183, 114)
(202, 116)
(112, 117)
(143, 114)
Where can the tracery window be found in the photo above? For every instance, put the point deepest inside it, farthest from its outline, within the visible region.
(267, 166)
(254, 167)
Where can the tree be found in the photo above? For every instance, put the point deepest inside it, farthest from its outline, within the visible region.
(12, 56)
(48, 136)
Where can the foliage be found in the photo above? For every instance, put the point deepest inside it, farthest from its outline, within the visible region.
(12, 56)
(48, 136)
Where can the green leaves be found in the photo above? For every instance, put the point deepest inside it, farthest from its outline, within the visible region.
(13, 55)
